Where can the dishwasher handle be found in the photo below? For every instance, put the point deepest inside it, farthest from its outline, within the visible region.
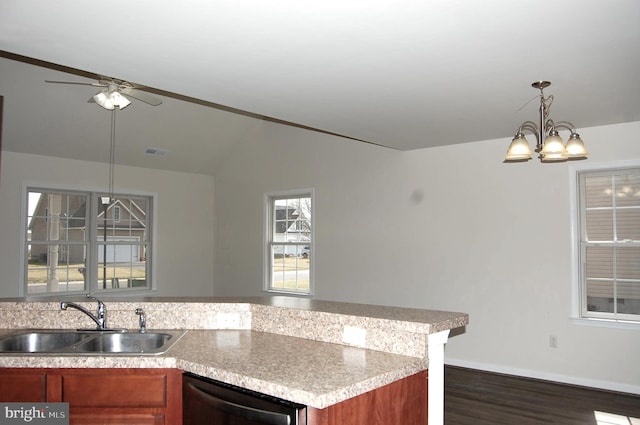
(250, 413)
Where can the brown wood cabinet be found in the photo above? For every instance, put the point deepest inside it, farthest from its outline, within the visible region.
(22, 385)
(154, 397)
(106, 396)
(401, 402)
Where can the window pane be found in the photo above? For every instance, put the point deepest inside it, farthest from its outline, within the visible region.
(600, 225)
(629, 297)
(125, 266)
(292, 220)
(627, 221)
(627, 190)
(289, 272)
(54, 271)
(56, 216)
(598, 190)
(599, 262)
(277, 267)
(600, 296)
(122, 236)
(125, 216)
(56, 241)
(628, 263)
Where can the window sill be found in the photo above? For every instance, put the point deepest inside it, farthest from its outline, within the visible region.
(291, 293)
(606, 323)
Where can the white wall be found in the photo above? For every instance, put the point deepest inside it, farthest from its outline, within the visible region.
(449, 228)
(184, 211)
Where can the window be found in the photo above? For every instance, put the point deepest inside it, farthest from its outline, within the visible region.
(76, 243)
(609, 245)
(289, 246)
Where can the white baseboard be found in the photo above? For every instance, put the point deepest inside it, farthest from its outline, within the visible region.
(527, 373)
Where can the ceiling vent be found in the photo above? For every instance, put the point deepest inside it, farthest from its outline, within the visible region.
(155, 152)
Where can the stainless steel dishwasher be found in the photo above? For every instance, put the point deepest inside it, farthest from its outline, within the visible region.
(209, 402)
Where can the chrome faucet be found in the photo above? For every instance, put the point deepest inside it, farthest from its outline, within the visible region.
(101, 314)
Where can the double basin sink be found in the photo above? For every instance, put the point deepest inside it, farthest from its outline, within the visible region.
(87, 342)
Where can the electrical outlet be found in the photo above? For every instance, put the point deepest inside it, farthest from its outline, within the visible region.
(352, 335)
(228, 321)
(553, 341)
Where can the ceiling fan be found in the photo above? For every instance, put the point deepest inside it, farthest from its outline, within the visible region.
(114, 93)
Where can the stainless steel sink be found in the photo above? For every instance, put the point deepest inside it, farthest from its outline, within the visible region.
(40, 341)
(60, 342)
(149, 343)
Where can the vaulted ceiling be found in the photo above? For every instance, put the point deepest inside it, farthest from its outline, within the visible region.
(403, 74)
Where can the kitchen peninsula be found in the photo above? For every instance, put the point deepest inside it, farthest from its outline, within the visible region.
(316, 353)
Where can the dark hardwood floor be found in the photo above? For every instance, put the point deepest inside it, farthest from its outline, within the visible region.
(482, 398)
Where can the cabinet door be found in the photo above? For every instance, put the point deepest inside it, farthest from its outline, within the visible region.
(97, 389)
(401, 402)
(101, 396)
(122, 396)
(22, 385)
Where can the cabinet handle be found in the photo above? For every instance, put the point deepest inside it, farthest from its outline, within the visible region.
(250, 413)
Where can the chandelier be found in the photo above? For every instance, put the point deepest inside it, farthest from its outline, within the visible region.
(550, 145)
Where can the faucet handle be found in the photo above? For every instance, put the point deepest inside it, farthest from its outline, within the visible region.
(91, 297)
(142, 320)
(101, 313)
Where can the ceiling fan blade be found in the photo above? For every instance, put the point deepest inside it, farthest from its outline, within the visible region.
(140, 95)
(76, 83)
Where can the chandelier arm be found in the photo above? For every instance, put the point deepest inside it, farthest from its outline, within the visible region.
(566, 125)
(549, 126)
(532, 127)
(528, 125)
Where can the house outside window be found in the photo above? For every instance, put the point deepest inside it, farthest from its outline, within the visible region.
(609, 243)
(75, 243)
(289, 242)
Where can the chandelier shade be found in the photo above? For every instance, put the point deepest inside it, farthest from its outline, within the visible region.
(575, 147)
(549, 146)
(553, 148)
(519, 150)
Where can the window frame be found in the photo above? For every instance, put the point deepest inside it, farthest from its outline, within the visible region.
(92, 285)
(579, 313)
(269, 198)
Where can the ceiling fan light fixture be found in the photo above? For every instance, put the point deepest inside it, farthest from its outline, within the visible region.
(103, 99)
(110, 99)
(115, 93)
(119, 100)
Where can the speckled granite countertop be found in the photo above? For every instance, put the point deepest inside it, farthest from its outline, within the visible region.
(314, 373)
(294, 349)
